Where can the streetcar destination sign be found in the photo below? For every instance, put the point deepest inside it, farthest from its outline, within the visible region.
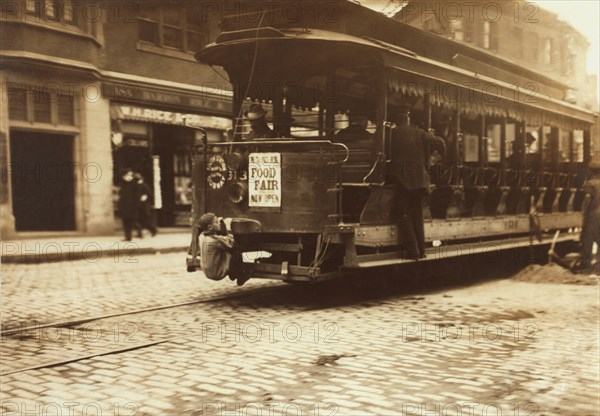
(264, 179)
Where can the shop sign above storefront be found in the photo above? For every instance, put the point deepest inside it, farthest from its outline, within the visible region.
(209, 98)
(128, 112)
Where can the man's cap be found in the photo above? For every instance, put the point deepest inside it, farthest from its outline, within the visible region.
(255, 112)
(205, 220)
(357, 118)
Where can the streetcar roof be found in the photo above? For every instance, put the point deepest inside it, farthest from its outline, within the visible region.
(289, 53)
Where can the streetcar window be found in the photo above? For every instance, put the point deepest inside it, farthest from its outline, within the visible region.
(493, 142)
(343, 121)
(564, 146)
(532, 144)
(510, 139)
(471, 147)
(547, 145)
(471, 127)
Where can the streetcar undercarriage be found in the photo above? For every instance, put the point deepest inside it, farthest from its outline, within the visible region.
(352, 246)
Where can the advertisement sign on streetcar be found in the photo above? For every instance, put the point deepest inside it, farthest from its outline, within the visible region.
(264, 179)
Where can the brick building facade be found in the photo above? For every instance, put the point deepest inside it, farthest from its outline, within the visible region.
(90, 89)
(520, 31)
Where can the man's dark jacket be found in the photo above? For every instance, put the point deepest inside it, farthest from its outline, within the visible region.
(128, 199)
(263, 132)
(408, 166)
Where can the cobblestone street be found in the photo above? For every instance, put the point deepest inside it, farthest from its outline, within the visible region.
(483, 347)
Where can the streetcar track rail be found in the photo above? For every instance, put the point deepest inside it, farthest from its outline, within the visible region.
(76, 322)
(88, 356)
(143, 345)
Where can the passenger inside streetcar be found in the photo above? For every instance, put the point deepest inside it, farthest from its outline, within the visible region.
(356, 130)
(258, 123)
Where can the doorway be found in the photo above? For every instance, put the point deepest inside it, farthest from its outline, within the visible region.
(171, 145)
(43, 183)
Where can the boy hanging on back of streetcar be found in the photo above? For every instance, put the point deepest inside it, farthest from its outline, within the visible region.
(218, 254)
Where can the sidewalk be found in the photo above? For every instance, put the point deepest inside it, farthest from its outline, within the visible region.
(91, 248)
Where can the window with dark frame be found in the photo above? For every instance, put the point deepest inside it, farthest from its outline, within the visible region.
(170, 28)
(148, 22)
(485, 41)
(32, 105)
(17, 103)
(42, 112)
(65, 110)
(569, 59)
(490, 36)
(60, 11)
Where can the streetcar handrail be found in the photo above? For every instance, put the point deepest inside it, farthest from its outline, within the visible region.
(387, 140)
(251, 142)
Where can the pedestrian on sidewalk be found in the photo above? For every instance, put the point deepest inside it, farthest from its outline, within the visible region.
(145, 215)
(128, 202)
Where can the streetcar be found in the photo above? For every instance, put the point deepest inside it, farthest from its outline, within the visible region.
(309, 206)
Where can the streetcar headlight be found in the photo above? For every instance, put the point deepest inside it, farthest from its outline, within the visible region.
(233, 160)
(237, 191)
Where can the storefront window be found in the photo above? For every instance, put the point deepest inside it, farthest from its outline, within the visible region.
(182, 170)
